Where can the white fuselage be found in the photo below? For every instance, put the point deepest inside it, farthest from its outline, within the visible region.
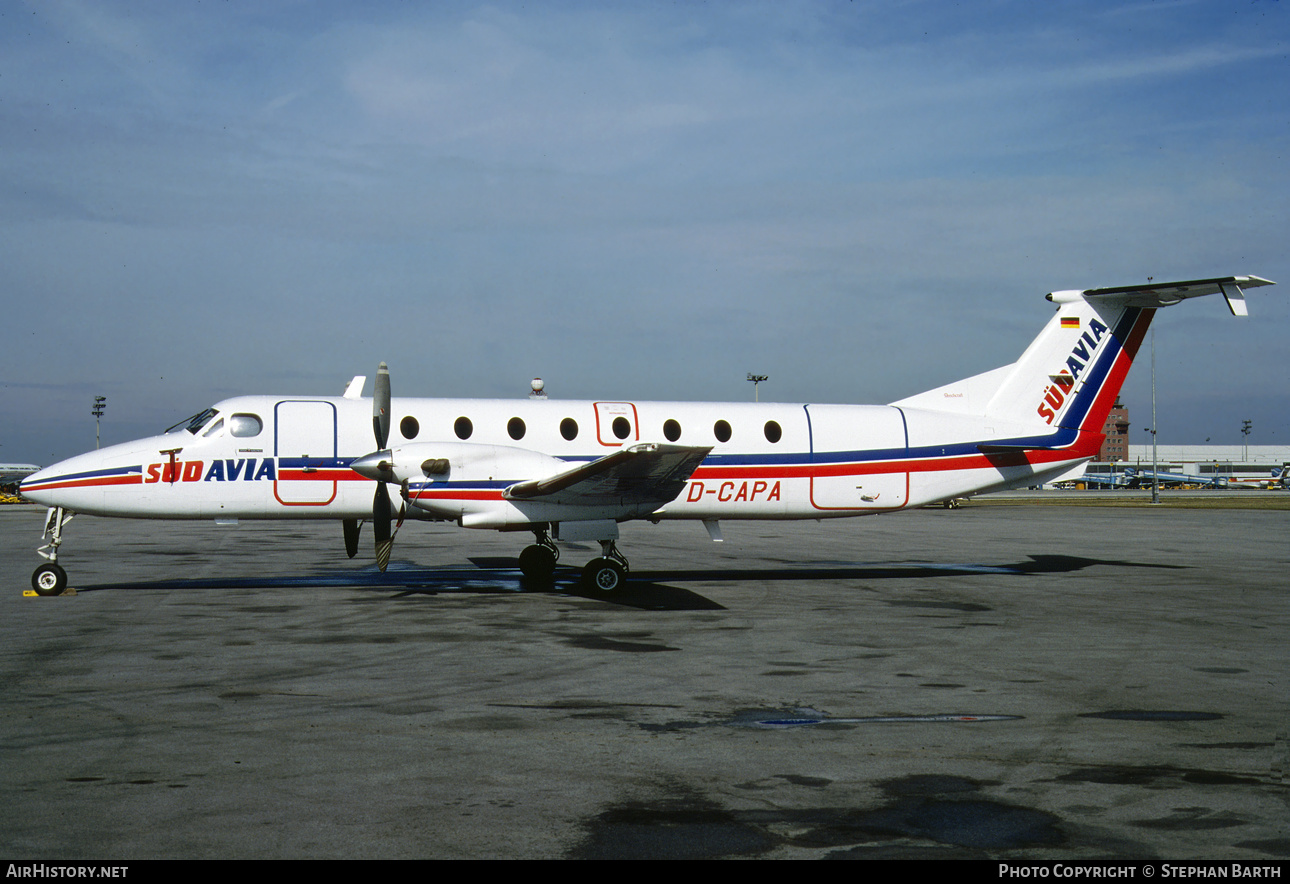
(262, 457)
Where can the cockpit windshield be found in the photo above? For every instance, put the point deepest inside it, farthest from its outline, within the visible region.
(195, 423)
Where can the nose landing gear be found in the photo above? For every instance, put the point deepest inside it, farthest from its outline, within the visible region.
(50, 578)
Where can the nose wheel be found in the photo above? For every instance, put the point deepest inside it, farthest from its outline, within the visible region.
(50, 578)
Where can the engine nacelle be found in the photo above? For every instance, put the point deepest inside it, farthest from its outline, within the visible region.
(419, 463)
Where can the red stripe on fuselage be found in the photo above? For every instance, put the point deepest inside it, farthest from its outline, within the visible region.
(871, 468)
(86, 483)
(341, 475)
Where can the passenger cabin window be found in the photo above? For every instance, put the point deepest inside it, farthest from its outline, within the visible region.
(463, 428)
(622, 427)
(409, 427)
(773, 431)
(515, 427)
(721, 430)
(672, 430)
(569, 429)
(245, 425)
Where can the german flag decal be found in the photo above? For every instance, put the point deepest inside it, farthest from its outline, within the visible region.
(1070, 322)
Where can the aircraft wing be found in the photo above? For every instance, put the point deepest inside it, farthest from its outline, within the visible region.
(1172, 292)
(648, 473)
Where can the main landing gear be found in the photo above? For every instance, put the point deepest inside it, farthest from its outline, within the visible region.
(608, 572)
(50, 578)
(537, 562)
(604, 574)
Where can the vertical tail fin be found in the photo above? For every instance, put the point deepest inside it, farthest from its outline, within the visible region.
(1071, 374)
(1064, 385)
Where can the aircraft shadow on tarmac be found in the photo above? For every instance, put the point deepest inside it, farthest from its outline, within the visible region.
(649, 590)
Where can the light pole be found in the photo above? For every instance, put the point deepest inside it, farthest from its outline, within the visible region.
(1155, 462)
(100, 403)
(757, 379)
(1246, 426)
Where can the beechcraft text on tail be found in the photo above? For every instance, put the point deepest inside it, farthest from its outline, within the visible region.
(572, 471)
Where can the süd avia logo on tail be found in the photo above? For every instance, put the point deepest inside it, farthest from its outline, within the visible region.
(1064, 381)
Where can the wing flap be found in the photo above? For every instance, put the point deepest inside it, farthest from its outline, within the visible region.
(648, 473)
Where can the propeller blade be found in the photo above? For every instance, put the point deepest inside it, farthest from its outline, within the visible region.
(381, 405)
(381, 510)
(383, 551)
(351, 536)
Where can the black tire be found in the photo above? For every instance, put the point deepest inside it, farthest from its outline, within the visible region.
(604, 575)
(49, 579)
(537, 562)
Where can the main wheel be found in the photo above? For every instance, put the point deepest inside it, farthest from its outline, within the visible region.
(49, 579)
(537, 562)
(604, 575)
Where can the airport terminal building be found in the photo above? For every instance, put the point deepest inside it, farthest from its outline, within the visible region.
(1249, 465)
(1119, 463)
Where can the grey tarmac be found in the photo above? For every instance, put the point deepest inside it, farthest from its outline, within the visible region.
(1004, 682)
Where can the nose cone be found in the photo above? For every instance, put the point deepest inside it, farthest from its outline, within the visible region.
(85, 482)
(378, 465)
(32, 486)
(76, 483)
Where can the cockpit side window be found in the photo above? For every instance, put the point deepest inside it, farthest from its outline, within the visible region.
(215, 430)
(244, 425)
(196, 422)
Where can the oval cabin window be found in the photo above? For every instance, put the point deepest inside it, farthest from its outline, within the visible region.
(515, 427)
(671, 430)
(463, 427)
(721, 430)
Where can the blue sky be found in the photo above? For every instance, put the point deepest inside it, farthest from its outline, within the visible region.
(632, 200)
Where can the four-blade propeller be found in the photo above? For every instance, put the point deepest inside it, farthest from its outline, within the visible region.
(382, 508)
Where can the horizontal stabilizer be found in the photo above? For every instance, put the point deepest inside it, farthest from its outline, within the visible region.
(648, 473)
(1169, 293)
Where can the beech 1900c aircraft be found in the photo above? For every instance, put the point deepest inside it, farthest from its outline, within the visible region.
(575, 470)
